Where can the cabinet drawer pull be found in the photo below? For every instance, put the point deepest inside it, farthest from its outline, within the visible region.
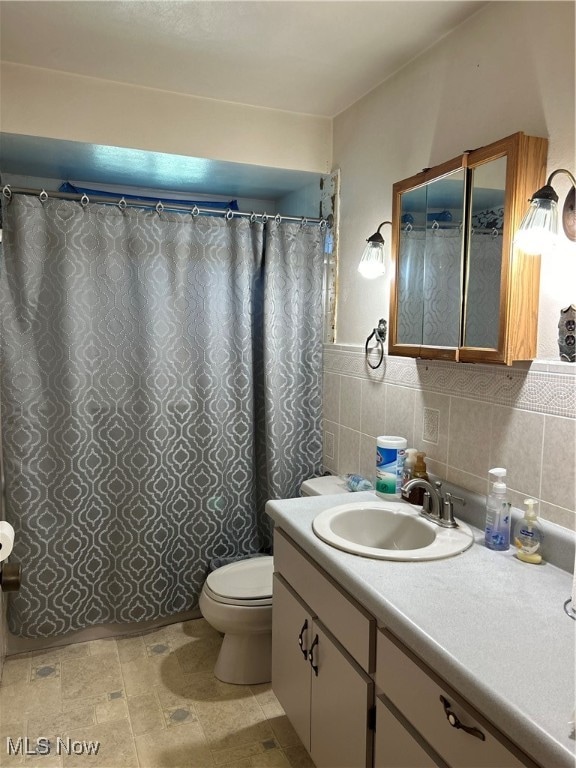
(455, 722)
(311, 656)
(301, 639)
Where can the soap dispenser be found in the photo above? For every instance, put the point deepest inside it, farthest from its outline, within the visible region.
(497, 530)
(409, 465)
(528, 535)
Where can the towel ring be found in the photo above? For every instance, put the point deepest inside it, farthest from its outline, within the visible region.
(379, 335)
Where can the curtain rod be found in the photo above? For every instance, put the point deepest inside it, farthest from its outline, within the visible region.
(195, 210)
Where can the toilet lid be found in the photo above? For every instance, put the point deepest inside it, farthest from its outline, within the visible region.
(245, 580)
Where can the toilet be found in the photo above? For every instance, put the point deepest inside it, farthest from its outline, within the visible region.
(237, 601)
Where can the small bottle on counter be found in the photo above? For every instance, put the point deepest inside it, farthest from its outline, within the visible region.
(497, 529)
(528, 535)
(408, 473)
(357, 483)
(409, 464)
(416, 495)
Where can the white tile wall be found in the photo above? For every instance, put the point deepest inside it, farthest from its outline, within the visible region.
(467, 418)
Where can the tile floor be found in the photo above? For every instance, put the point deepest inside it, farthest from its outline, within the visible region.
(150, 700)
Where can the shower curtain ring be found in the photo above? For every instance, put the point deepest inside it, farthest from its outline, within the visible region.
(229, 214)
(84, 200)
(122, 204)
(43, 196)
(277, 218)
(323, 225)
(265, 217)
(304, 222)
(7, 192)
(195, 211)
(252, 218)
(159, 206)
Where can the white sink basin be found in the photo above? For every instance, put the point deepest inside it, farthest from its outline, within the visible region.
(389, 531)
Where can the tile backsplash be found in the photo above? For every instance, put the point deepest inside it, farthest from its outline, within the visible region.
(466, 418)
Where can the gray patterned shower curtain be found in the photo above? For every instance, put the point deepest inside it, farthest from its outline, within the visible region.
(160, 380)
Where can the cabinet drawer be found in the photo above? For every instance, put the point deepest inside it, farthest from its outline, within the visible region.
(416, 692)
(349, 622)
(395, 743)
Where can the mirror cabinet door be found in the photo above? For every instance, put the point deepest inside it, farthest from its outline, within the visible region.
(430, 263)
(482, 311)
(411, 263)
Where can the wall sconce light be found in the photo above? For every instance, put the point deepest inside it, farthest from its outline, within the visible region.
(373, 261)
(539, 228)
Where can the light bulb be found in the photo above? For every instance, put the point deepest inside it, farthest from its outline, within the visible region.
(373, 261)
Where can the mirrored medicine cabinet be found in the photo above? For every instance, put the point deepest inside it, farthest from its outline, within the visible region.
(460, 288)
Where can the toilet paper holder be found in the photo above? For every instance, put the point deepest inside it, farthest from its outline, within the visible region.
(10, 577)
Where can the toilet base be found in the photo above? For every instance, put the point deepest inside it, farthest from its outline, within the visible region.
(245, 659)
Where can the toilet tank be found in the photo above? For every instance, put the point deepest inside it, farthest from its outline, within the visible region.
(323, 486)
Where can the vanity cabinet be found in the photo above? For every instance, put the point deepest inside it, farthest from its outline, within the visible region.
(354, 694)
(460, 289)
(326, 693)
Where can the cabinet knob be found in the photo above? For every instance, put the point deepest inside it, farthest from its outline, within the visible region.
(455, 722)
(301, 639)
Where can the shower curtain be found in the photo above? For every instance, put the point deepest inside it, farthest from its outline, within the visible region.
(483, 306)
(160, 380)
(430, 287)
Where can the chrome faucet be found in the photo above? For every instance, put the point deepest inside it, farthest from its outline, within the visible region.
(436, 507)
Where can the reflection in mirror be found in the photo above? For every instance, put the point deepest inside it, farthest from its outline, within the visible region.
(482, 307)
(430, 263)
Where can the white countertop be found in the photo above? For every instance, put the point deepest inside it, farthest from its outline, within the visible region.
(492, 627)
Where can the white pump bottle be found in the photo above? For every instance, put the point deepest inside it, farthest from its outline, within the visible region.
(497, 531)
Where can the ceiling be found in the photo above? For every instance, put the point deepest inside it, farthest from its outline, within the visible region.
(309, 56)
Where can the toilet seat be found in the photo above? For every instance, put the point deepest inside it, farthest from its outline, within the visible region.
(244, 583)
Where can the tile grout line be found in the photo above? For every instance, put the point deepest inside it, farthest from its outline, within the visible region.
(127, 707)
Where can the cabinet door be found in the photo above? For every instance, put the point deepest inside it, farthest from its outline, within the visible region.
(397, 747)
(500, 317)
(291, 671)
(342, 695)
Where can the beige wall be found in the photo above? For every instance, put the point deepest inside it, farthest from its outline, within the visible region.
(42, 102)
(509, 68)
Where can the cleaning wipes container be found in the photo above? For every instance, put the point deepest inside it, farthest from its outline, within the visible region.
(390, 455)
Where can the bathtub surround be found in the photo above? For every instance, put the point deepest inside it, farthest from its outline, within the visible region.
(152, 401)
(467, 418)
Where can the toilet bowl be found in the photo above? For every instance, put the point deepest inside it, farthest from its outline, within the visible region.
(237, 601)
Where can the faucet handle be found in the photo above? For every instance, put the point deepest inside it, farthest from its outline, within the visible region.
(448, 509)
(451, 498)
